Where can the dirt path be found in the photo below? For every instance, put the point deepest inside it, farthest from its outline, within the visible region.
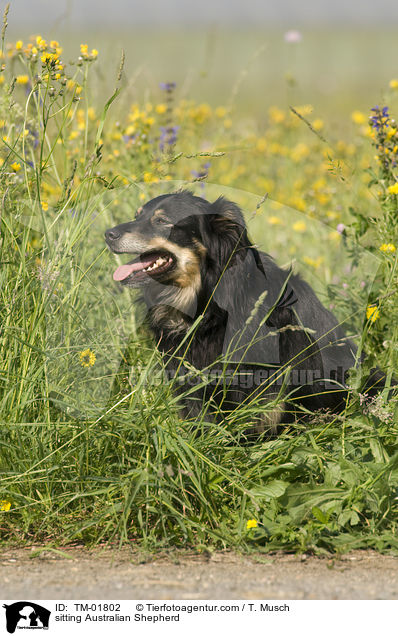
(112, 574)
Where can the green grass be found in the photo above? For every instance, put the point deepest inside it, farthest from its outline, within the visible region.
(93, 453)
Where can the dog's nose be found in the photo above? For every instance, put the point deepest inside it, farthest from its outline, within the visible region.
(112, 234)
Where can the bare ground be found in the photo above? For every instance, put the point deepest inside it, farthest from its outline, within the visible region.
(78, 573)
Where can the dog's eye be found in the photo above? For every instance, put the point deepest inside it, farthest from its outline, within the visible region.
(161, 220)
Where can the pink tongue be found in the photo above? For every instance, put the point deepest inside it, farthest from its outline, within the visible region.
(125, 270)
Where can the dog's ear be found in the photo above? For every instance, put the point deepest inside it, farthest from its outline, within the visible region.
(226, 216)
(228, 224)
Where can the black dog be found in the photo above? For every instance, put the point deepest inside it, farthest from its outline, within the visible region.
(213, 298)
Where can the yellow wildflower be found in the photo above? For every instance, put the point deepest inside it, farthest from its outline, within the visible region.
(1, 79)
(18, 45)
(44, 206)
(274, 220)
(319, 183)
(220, 112)
(317, 124)
(300, 151)
(16, 166)
(84, 49)
(135, 113)
(387, 248)
(265, 184)
(393, 189)
(94, 53)
(299, 226)
(322, 197)
(358, 117)
(150, 178)
(299, 204)
(87, 358)
(372, 313)
(42, 44)
(200, 113)
(305, 109)
(5, 505)
(394, 84)
(22, 79)
(276, 115)
(334, 235)
(313, 262)
(161, 109)
(252, 523)
(277, 149)
(49, 57)
(261, 144)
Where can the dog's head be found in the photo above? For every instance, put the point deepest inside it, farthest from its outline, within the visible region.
(176, 239)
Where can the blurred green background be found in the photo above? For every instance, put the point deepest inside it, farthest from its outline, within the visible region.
(231, 51)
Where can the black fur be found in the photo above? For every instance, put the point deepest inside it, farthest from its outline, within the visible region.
(261, 328)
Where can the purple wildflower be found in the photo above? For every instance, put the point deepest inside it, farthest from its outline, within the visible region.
(203, 172)
(128, 138)
(385, 140)
(168, 136)
(35, 136)
(167, 86)
(381, 118)
(340, 228)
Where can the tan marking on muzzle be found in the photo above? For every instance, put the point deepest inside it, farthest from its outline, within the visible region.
(187, 273)
(182, 295)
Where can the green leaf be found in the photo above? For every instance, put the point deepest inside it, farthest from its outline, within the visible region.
(274, 489)
(103, 116)
(320, 515)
